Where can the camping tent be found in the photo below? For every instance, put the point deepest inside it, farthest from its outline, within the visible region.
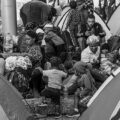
(62, 20)
(114, 23)
(11, 105)
(105, 104)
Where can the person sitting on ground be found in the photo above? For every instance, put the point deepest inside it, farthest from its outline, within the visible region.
(81, 84)
(88, 29)
(91, 56)
(29, 46)
(54, 43)
(106, 63)
(73, 22)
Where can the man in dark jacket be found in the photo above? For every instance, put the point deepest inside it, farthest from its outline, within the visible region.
(36, 11)
(88, 29)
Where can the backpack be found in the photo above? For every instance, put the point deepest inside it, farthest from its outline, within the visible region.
(57, 31)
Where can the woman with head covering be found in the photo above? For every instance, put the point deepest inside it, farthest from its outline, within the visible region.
(29, 46)
(82, 78)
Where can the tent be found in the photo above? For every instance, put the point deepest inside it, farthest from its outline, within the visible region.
(62, 20)
(105, 104)
(114, 23)
(11, 105)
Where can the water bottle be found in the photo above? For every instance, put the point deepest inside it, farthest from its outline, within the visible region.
(8, 43)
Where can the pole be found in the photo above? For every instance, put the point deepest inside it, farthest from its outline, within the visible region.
(9, 17)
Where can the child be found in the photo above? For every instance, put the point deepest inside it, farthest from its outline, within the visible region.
(83, 84)
(55, 77)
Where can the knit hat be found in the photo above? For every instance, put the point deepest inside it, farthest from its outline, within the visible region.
(80, 67)
(92, 40)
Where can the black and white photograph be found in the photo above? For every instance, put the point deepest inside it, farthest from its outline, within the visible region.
(59, 59)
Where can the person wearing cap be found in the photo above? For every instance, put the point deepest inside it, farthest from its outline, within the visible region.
(91, 56)
(40, 34)
(92, 52)
(54, 43)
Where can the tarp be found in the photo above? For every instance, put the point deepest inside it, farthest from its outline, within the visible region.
(114, 22)
(11, 105)
(62, 20)
(103, 104)
(35, 11)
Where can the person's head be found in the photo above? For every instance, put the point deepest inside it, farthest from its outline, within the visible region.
(48, 27)
(91, 20)
(80, 2)
(30, 37)
(31, 26)
(105, 48)
(55, 62)
(40, 33)
(93, 43)
(53, 11)
(80, 68)
(73, 4)
(68, 65)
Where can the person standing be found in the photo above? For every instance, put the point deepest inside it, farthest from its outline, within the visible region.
(86, 7)
(73, 22)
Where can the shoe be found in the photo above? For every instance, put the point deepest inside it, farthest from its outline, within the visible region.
(73, 114)
(57, 115)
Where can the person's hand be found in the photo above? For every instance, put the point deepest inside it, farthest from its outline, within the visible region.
(95, 61)
(79, 34)
(87, 33)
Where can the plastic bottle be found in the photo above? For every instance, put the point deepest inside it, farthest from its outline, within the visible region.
(8, 43)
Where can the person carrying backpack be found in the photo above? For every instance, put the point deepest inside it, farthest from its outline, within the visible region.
(54, 43)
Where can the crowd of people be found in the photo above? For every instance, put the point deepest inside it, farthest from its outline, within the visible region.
(53, 62)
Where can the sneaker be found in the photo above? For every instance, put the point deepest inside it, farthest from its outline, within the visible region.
(73, 114)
